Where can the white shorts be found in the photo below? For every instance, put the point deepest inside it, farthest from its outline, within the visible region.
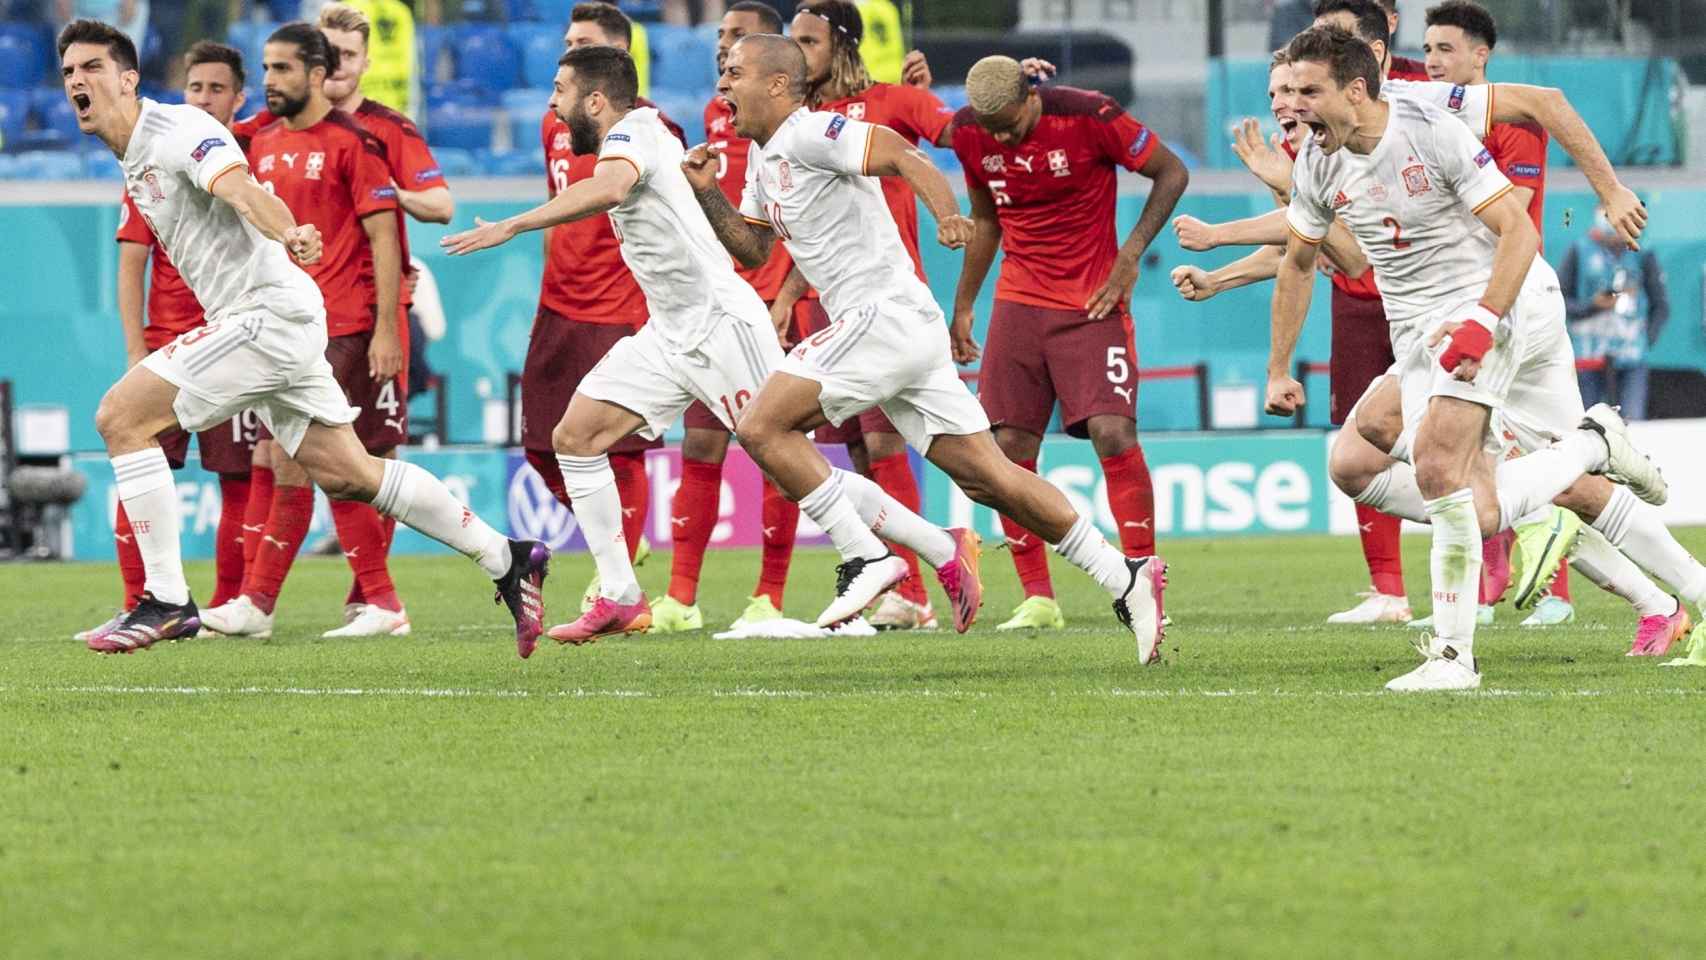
(895, 357)
(642, 374)
(256, 361)
(1527, 379)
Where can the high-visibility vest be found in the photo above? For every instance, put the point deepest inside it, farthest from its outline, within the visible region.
(883, 47)
(641, 51)
(390, 74)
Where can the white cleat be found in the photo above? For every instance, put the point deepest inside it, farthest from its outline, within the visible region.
(1376, 607)
(1444, 669)
(1139, 608)
(238, 618)
(353, 610)
(858, 583)
(1623, 462)
(84, 636)
(895, 612)
(373, 622)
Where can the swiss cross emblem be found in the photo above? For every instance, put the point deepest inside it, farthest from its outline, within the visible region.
(1416, 180)
(856, 111)
(266, 164)
(1057, 163)
(994, 163)
(561, 141)
(784, 177)
(719, 125)
(316, 164)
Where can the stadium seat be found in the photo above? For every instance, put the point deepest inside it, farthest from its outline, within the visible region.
(29, 55)
(523, 110)
(684, 59)
(483, 55)
(540, 46)
(14, 114)
(555, 12)
(460, 93)
(456, 162)
(685, 109)
(462, 127)
(52, 111)
(510, 163)
(431, 44)
(101, 165)
(50, 165)
(250, 37)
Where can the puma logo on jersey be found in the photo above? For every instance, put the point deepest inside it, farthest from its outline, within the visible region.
(395, 424)
(1124, 392)
(1025, 162)
(289, 160)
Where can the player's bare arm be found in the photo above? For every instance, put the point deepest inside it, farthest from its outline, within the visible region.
(132, 282)
(1195, 283)
(793, 287)
(1343, 251)
(1264, 158)
(1519, 244)
(1547, 106)
(608, 186)
(267, 213)
(432, 205)
(385, 350)
(980, 254)
(748, 242)
(1168, 179)
(1268, 228)
(889, 155)
(1292, 283)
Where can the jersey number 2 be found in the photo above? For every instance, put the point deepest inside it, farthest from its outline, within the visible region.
(1398, 241)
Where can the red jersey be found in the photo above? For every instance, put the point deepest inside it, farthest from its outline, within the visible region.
(731, 176)
(172, 308)
(246, 129)
(1403, 68)
(917, 115)
(411, 162)
(1520, 151)
(331, 175)
(585, 278)
(1055, 194)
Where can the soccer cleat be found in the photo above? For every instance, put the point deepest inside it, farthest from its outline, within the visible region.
(1655, 634)
(589, 596)
(895, 612)
(519, 590)
(1543, 547)
(238, 618)
(373, 621)
(1376, 607)
(1436, 673)
(961, 578)
(353, 610)
(1483, 618)
(643, 552)
(759, 609)
(670, 615)
(1139, 607)
(1035, 613)
(1550, 612)
(1695, 656)
(858, 582)
(606, 618)
(1623, 462)
(96, 632)
(149, 623)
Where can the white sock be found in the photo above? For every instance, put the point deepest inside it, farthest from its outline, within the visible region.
(592, 489)
(1616, 574)
(1085, 548)
(893, 521)
(150, 500)
(1635, 528)
(1529, 482)
(423, 503)
(833, 511)
(1455, 563)
(1393, 491)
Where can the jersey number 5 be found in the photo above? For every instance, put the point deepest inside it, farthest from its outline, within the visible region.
(998, 190)
(1398, 241)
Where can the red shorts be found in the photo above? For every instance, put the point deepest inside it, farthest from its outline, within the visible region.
(382, 422)
(1362, 351)
(1036, 355)
(560, 353)
(228, 447)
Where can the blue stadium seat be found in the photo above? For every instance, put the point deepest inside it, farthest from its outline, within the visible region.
(540, 46)
(510, 163)
(101, 165)
(30, 55)
(953, 97)
(461, 93)
(685, 109)
(284, 10)
(14, 114)
(54, 112)
(523, 110)
(684, 59)
(431, 43)
(483, 55)
(462, 127)
(554, 12)
(456, 162)
(250, 37)
(50, 165)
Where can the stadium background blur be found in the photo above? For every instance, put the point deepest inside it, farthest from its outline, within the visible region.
(476, 75)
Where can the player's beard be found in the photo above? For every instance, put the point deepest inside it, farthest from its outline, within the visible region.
(583, 133)
(285, 106)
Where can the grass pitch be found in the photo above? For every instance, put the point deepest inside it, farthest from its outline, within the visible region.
(904, 795)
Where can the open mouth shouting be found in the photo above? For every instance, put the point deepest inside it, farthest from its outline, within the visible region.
(83, 105)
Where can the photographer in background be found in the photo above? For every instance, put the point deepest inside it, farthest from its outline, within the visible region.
(1617, 306)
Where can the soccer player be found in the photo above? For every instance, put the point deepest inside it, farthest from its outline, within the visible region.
(1040, 168)
(887, 345)
(262, 347)
(332, 173)
(1476, 320)
(213, 82)
(708, 337)
(587, 302)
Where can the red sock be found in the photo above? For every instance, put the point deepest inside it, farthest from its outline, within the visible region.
(1131, 498)
(361, 532)
(544, 462)
(894, 474)
(1381, 538)
(635, 492)
(1561, 586)
(286, 528)
(1495, 550)
(781, 519)
(129, 558)
(1030, 554)
(693, 516)
(255, 514)
(229, 543)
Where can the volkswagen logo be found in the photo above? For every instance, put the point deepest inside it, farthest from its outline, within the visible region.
(536, 515)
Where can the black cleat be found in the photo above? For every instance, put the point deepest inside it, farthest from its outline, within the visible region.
(519, 590)
(148, 624)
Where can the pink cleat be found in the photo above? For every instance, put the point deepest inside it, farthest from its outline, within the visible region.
(960, 578)
(606, 618)
(1655, 634)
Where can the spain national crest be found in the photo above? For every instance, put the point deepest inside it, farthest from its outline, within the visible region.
(1416, 180)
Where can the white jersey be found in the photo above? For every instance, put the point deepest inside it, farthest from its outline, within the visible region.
(1411, 204)
(174, 155)
(686, 274)
(1471, 103)
(808, 184)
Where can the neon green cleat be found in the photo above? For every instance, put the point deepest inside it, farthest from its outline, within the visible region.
(1696, 656)
(758, 610)
(642, 552)
(670, 615)
(1550, 612)
(1035, 613)
(1483, 618)
(1542, 547)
